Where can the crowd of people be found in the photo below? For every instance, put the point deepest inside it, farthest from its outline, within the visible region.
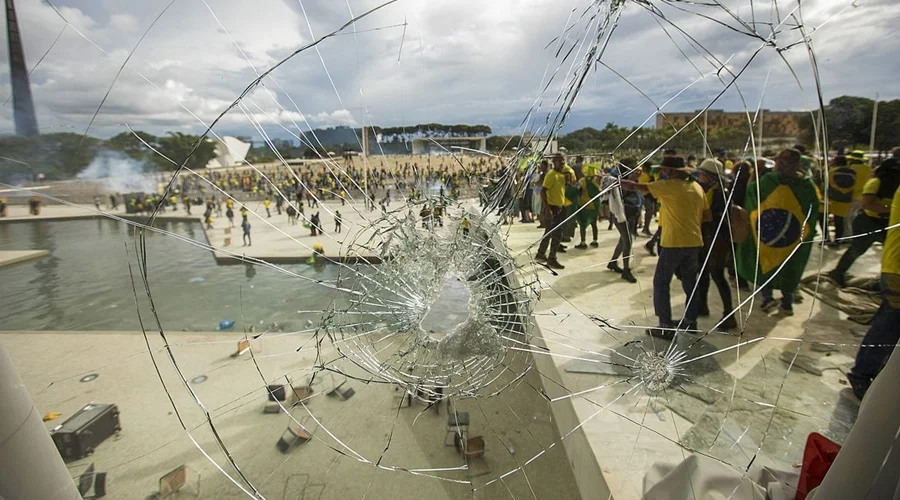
(751, 220)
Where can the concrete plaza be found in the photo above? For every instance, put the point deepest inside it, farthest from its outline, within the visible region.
(738, 398)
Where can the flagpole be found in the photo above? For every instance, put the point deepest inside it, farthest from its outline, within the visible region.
(874, 122)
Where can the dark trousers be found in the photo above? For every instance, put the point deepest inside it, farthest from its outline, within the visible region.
(552, 232)
(838, 228)
(684, 261)
(715, 273)
(883, 335)
(867, 230)
(649, 212)
(623, 247)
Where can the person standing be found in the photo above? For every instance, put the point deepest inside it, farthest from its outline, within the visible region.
(784, 210)
(229, 214)
(870, 223)
(589, 200)
(857, 161)
(337, 221)
(646, 177)
(878, 344)
(245, 226)
(625, 220)
(553, 198)
(716, 251)
(268, 204)
(682, 212)
(841, 179)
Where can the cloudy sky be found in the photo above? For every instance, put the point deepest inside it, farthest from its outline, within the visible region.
(415, 61)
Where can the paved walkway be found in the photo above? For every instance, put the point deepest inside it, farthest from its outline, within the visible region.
(723, 405)
(734, 404)
(10, 257)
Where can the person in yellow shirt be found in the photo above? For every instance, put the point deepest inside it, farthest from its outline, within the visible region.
(878, 344)
(571, 204)
(682, 213)
(553, 200)
(869, 224)
(856, 160)
(267, 204)
(646, 177)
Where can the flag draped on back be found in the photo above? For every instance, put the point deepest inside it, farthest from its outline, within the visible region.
(783, 216)
(840, 190)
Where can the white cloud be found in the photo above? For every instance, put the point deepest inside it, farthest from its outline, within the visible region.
(462, 61)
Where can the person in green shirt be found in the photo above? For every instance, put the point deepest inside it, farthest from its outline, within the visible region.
(553, 200)
(783, 209)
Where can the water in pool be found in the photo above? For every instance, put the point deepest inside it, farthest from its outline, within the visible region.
(85, 284)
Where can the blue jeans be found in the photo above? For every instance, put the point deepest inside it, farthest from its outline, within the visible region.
(686, 263)
(883, 335)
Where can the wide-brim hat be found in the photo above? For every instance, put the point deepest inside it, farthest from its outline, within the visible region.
(711, 166)
(674, 162)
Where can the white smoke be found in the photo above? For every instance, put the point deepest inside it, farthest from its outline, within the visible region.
(118, 173)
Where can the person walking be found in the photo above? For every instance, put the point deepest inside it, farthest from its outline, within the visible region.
(883, 334)
(245, 226)
(337, 221)
(553, 198)
(784, 210)
(870, 223)
(716, 251)
(229, 214)
(682, 212)
(267, 204)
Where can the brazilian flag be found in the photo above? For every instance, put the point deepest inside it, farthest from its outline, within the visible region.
(783, 216)
(841, 181)
(589, 193)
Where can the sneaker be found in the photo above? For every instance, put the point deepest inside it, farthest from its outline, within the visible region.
(554, 264)
(662, 332)
(728, 323)
(837, 277)
(561, 249)
(540, 258)
(703, 312)
(594, 244)
(566, 239)
(562, 246)
(612, 266)
(798, 297)
(581, 246)
(627, 276)
(785, 312)
(769, 305)
(651, 248)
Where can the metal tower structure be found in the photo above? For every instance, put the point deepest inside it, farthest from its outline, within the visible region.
(23, 105)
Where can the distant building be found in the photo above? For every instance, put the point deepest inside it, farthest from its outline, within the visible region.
(540, 144)
(230, 152)
(781, 124)
(447, 145)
